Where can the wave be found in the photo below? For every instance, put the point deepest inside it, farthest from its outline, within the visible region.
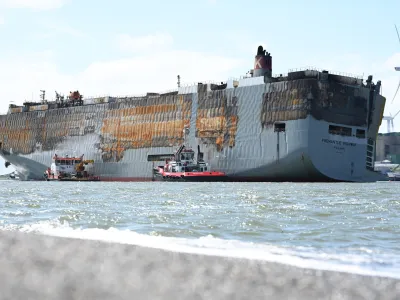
(363, 261)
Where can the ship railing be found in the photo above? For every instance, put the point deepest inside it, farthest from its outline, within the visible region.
(187, 84)
(141, 95)
(310, 68)
(279, 75)
(127, 96)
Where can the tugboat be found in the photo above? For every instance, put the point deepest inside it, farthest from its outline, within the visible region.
(182, 166)
(65, 168)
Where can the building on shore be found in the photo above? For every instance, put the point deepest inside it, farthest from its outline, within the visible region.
(388, 147)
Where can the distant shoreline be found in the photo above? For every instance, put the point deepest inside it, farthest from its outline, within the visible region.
(5, 176)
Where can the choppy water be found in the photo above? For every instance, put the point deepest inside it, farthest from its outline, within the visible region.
(339, 226)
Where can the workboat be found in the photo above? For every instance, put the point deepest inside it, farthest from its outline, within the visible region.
(183, 167)
(65, 168)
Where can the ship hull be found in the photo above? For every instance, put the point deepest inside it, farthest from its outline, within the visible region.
(72, 179)
(306, 154)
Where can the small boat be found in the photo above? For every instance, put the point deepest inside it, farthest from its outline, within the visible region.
(182, 166)
(65, 168)
(14, 175)
(393, 176)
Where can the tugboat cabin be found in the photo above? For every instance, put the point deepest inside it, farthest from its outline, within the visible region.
(185, 162)
(65, 167)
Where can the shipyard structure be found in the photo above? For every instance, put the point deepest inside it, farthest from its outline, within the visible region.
(388, 147)
(308, 125)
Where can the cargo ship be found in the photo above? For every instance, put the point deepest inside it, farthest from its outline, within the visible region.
(306, 125)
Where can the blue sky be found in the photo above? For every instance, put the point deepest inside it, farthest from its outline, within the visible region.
(130, 47)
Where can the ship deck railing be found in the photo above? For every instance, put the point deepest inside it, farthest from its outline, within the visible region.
(311, 68)
(186, 85)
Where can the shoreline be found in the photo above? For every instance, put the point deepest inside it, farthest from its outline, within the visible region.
(45, 267)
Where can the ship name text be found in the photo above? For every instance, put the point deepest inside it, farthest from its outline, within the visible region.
(338, 143)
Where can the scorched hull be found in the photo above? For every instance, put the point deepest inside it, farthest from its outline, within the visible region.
(306, 126)
(309, 160)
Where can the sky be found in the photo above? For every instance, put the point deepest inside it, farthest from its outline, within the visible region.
(129, 47)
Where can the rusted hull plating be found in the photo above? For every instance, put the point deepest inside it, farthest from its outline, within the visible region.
(236, 129)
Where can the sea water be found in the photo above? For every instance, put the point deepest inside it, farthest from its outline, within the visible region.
(351, 227)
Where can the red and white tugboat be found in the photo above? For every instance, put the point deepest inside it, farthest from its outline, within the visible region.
(183, 167)
(65, 168)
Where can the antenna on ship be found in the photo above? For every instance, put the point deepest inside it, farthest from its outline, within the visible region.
(397, 68)
(43, 95)
(186, 131)
(179, 81)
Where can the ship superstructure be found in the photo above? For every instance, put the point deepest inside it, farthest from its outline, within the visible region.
(308, 125)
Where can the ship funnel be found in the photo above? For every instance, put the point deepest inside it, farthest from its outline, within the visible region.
(262, 63)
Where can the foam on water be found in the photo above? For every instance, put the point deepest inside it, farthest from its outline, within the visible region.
(303, 257)
(344, 227)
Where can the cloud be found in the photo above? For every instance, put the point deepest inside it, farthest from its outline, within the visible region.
(155, 71)
(390, 80)
(56, 31)
(33, 4)
(66, 29)
(244, 42)
(128, 43)
(393, 61)
(141, 72)
(23, 77)
(2, 21)
(57, 28)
